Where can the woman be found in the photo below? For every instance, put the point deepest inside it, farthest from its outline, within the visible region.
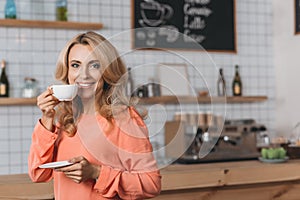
(103, 137)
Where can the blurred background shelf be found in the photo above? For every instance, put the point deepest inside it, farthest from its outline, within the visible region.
(17, 101)
(158, 100)
(50, 24)
(203, 100)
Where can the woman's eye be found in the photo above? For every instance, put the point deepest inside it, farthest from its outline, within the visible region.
(95, 66)
(75, 65)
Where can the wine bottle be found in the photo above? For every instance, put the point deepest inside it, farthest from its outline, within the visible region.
(4, 85)
(154, 88)
(221, 84)
(10, 9)
(237, 83)
(61, 10)
(129, 84)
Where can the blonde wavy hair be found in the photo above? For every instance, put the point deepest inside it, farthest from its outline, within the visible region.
(110, 91)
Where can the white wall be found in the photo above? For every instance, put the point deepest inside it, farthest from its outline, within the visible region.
(287, 67)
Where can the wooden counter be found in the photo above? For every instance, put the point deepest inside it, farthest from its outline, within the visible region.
(19, 186)
(245, 180)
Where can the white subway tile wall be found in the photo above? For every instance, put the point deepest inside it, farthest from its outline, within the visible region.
(33, 53)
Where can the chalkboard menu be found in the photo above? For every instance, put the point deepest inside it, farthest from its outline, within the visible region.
(184, 24)
(297, 16)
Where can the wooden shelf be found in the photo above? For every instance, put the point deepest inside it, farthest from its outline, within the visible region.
(202, 100)
(157, 100)
(50, 24)
(17, 101)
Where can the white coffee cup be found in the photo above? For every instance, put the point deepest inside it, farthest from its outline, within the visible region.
(64, 92)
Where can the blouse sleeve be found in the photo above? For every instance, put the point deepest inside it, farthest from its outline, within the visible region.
(41, 151)
(139, 178)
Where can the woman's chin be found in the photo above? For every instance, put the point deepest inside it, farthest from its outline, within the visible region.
(86, 95)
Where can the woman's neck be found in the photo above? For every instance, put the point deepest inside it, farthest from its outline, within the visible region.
(89, 106)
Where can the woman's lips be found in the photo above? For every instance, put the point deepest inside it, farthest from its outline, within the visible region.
(85, 85)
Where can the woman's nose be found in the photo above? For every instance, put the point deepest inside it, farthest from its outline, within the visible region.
(84, 73)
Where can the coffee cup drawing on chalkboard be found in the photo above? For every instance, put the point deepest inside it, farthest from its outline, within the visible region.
(154, 14)
(171, 32)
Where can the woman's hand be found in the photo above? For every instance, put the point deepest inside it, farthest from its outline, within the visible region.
(81, 170)
(46, 102)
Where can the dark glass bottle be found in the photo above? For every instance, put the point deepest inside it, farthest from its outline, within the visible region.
(61, 10)
(129, 84)
(221, 84)
(4, 85)
(153, 88)
(237, 83)
(10, 9)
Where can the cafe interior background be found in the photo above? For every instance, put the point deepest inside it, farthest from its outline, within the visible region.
(267, 53)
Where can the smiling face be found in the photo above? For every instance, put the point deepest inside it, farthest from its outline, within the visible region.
(84, 70)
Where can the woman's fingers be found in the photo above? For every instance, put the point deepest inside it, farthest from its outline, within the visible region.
(46, 102)
(48, 105)
(80, 171)
(73, 172)
(76, 179)
(78, 159)
(45, 94)
(43, 99)
(70, 168)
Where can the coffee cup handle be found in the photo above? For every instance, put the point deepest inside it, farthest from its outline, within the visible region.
(52, 92)
(50, 87)
(168, 11)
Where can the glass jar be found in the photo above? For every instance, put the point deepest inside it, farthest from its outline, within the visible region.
(30, 88)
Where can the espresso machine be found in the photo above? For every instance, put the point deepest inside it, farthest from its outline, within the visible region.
(194, 144)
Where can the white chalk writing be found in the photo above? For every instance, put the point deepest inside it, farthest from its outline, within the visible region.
(188, 10)
(202, 2)
(189, 37)
(195, 13)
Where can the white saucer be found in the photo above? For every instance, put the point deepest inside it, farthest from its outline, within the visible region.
(56, 164)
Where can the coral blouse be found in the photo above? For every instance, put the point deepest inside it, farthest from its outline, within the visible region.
(128, 168)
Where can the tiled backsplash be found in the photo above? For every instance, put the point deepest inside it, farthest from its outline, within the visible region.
(33, 52)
